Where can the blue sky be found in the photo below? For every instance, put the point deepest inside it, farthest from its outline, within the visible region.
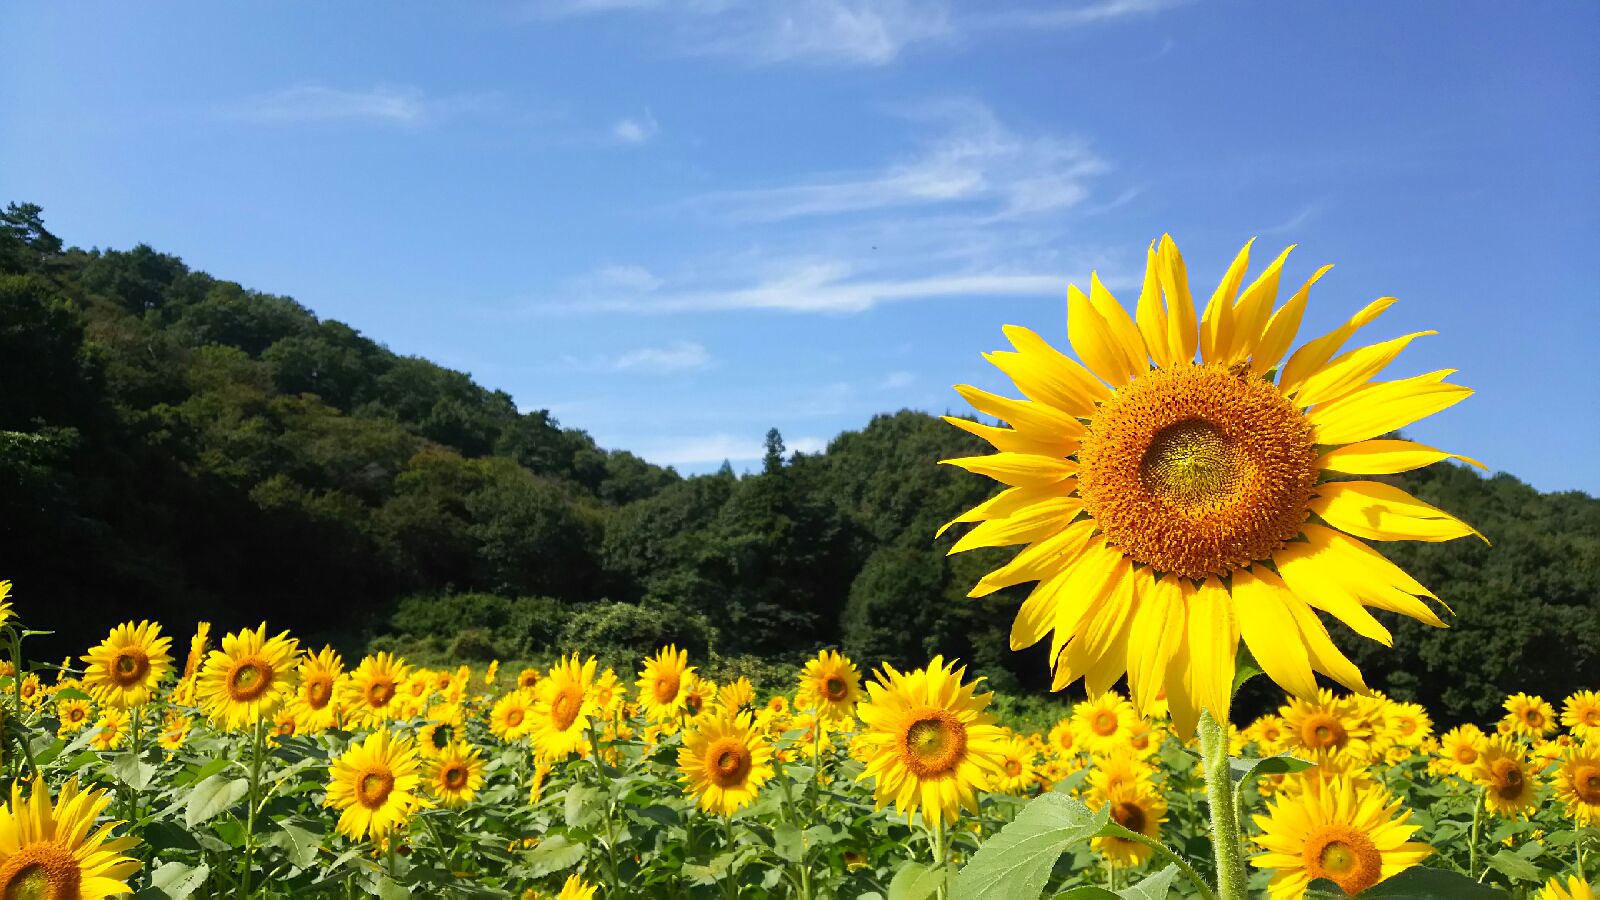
(676, 224)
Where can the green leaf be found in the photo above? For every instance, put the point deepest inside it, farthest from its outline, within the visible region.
(553, 854)
(1087, 892)
(789, 841)
(1243, 768)
(915, 881)
(1017, 862)
(1514, 867)
(177, 880)
(302, 844)
(71, 693)
(580, 808)
(1245, 667)
(132, 771)
(1156, 887)
(215, 795)
(1422, 883)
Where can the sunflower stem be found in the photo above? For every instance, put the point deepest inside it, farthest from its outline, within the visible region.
(605, 785)
(730, 882)
(257, 739)
(1225, 838)
(1171, 856)
(1477, 830)
(936, 833)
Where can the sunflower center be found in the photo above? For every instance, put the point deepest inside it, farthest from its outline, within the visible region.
(1013, 767)
(380, 692)
(693, 704)
(455, 777)
(249, 679)
(1322, 731)
(1508, 781)
(1129, 815)
(1591, 716)
(834, 688)
(77, 714)
(1586, 784)
(1534, 718)
(373, 787)
(934, 743)
(1105, 723)
(666, 688)
(728, 762)
(514, 717)
(319, 690)
(1466, 755)
(1345, 856)
(40, 871)
(564, 709)
(1408, 727)
(129, 666)
(1196, 470)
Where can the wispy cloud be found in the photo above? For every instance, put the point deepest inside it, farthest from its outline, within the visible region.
(635, 129)
(1065, 14)
(681, 356)
(974, 160)
(390, 105)
(714, 448)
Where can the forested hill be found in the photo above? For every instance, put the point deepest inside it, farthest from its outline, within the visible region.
(179, 447)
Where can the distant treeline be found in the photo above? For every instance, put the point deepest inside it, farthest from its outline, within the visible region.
(178, 447)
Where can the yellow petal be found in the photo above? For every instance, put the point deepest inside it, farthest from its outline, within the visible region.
(1017, 469)
(1385, 457)
(1038, 613)
(1182, 331)
(1312, 570)
(1159, 626)
(1384, 407)
(1254, 308)
(1042, 560)
(1181, 703)
(1047, 375)
(1216, 324)
(1092, 579)
(1380, 582)
(1025, 526)
(1005, 503)
(1121, 327)
(1381, 512)
(1280, 331)
(1270, 631)
(1325, 657)
(1034, 420)
(1351, 370)
(1013, 441)
(1094, 341)
(1099, 649)
(1151, 317)
(1311, 357)
(1213, 644)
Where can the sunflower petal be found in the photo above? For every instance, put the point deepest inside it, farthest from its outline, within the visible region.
(1216, 324)
(1005, 503)
(1038, 561)
(1344, 564)
(1011, 441)
(1159, 626)
(1024, 526)
(1037, 614)
(1254, 308)
(1269, 630)
(1095, 341)
(1182, 330)
(1313, 355)
(1095, 578)
(1351, 370)
(1285, 324)
(1048, 375)
(1325, 657)
(1149, 314)
(1034, 420)
(1385, 457)
(1381, 512)
(1311, 571)
(1098, 651)
(1213, 644)
(1128, 338)
(1383, 407)
(1017, 469)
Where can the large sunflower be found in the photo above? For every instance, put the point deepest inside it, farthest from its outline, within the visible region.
(368, 695)
(1581, 714)
(661, 683)
(1352, 837)
(1172, 507)
(125, 668)
(1578, 784)
(313, 704)
(454, 775)
(374, 784)
(829, 684)
(562, 708)
(1575, 889)
(249, 678)
(54, 849)
(927, 741)
(725, 761)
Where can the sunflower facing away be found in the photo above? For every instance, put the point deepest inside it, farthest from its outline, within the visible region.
(1172, 507)
(375, 785)
(5, 603)
(562, 708)
(829, 684)
(249, 678)
(51, 850)
(454, 775)
(125, 668)
(1352, 837)
(927, 742)
(725, 761)
(661, 683)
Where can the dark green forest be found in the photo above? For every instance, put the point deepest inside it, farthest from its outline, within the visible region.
(179, 447)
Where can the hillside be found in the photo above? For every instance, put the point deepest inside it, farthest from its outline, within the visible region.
(180, 445)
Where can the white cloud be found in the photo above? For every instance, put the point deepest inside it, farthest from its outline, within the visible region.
(624, 277)
(714, 448)
(318, 103)
(635, 130)
(682, 356)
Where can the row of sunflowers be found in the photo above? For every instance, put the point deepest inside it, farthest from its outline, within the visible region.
(258, 768)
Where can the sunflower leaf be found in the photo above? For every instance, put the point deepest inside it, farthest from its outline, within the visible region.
(1017, 862)
(1156, 887)
(215, 795)
(1514, 867)
(177, 881)
(1423, 883)
(915, 881)
(1243, 768)
(1245, 668)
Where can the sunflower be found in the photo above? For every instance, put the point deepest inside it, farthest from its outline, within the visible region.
(737, 696)
(511, 718)
(562, 708)
(367, 695)
(248, 679)
(1529, 715)
(175, 728)
(661, 683)
(1408, 724)
(454, 775)
(1105, 722)
(1119, 769)
(541, 771)
(724, 762)
(699, 696)
(1576, 889)
(438, 735)
(575, 888)
(1268, 733)
(1016, 767)
(5, 603)
(1063, 738)
(831, 684)
(125, 668)
(313, 704)
(927, 742)
(375, 785)
(54, 850)
(1510, 784)
(1460, 747)
(609, 694)
(198, 645)
(32, 690)
(1581, 714)
(526, 679)
(113, 729)
(73, 715)
(1578, 784)
(1325, 725)
(1352, 837)
(1167, 503)
(1137, 807)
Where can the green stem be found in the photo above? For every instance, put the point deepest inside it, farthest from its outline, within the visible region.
(939, 852)
(1225, 838)
(16, 673)
(1171, 856)
(731, 882)
(1472, 840)
(257, 740)
(605, 785)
